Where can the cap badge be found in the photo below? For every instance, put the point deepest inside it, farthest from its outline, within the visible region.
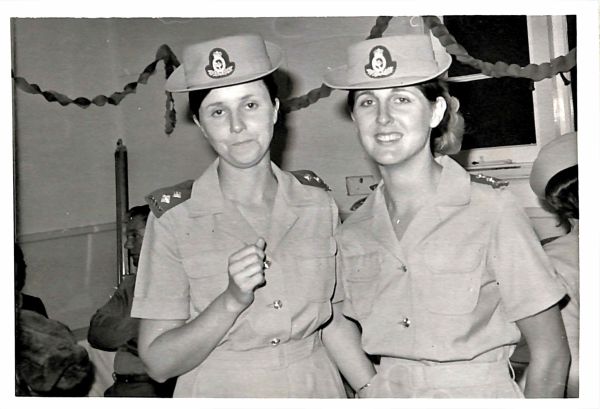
(380, 63)
(219, 65)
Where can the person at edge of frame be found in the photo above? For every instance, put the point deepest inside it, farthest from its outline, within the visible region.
(555, 180)
(113, 329)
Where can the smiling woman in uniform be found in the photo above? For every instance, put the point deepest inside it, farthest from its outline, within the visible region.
(444, 275)
(237, 272)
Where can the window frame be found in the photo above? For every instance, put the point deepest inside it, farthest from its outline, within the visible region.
(552, 104)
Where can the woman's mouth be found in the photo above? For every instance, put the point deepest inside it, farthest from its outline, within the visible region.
(388, 137)
(241, 143)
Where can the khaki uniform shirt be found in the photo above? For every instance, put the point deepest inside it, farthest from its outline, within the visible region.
(183, 264)
(468, 266)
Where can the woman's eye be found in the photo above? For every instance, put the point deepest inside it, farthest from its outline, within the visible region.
(251, 105)
(217, 113)
(401, 100)
(366, 103)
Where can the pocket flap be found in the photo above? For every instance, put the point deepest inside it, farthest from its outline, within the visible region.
(450, 258)
(206, 264)
(314, 247)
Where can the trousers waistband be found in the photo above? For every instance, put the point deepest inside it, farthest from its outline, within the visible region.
(280, 355)
(446, 375)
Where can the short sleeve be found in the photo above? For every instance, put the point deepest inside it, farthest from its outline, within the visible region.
(524, 274)
(162, 287)
(347, 309)
(338, 294)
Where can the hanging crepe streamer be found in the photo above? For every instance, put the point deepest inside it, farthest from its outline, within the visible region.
(534, 72)
(163, 53)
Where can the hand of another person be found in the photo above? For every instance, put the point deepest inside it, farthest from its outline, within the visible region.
(246, 272)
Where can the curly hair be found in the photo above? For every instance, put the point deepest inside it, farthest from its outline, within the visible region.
(562, 195)
(446, 138)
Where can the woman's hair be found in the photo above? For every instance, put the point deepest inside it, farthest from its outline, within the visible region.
(196, 97)
(562, 194)
(446, 138)
(143, 211)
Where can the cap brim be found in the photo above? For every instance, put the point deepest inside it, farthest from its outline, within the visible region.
(176, 81)
(337, 77)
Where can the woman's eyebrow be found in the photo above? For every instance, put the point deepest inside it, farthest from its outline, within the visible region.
(218, 103)
(213, 104)
(363, 92)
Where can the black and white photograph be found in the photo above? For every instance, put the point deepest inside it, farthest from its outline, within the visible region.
(292, 206)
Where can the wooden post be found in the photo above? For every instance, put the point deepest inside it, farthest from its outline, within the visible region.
(122, 197)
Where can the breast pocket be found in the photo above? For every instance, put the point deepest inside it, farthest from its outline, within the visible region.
(207, 274)
(314, 258)
(362, 273)
(452, 277)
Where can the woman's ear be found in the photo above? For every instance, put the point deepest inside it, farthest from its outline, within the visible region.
(276, 111)
(197, 122)
(439, 108)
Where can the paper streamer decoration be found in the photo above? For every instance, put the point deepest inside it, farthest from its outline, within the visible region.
(499, 69)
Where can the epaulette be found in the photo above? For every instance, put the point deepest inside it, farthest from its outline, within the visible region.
(166, 198)
(308, 177)
(489, 180)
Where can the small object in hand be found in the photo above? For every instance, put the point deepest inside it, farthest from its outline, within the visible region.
(266, 264)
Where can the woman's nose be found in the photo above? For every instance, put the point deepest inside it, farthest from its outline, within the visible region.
(383, 116)
(237, 124)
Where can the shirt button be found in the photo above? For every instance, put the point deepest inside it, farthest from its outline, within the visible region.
(275, 342)
(405, 322)
(277, 304)
(403, 268)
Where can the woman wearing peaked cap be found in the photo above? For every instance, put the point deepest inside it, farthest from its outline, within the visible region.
(444, 275)
(235, 282)
(554, 179)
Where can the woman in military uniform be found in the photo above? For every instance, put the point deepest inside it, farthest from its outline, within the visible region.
(237, 272)
(554, 179)
(444, 275)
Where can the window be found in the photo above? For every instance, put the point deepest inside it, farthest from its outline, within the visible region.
(520, 115)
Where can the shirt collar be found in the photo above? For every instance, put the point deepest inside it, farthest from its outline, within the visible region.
(454, 189)
(207, 198)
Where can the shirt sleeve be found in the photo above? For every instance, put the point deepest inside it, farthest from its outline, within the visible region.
(162, 287)
(112, 325)
(564, 256)
(341, 266)
(338, 294)
(526, 279)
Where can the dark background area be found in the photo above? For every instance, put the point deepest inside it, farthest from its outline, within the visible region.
(506, 103)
